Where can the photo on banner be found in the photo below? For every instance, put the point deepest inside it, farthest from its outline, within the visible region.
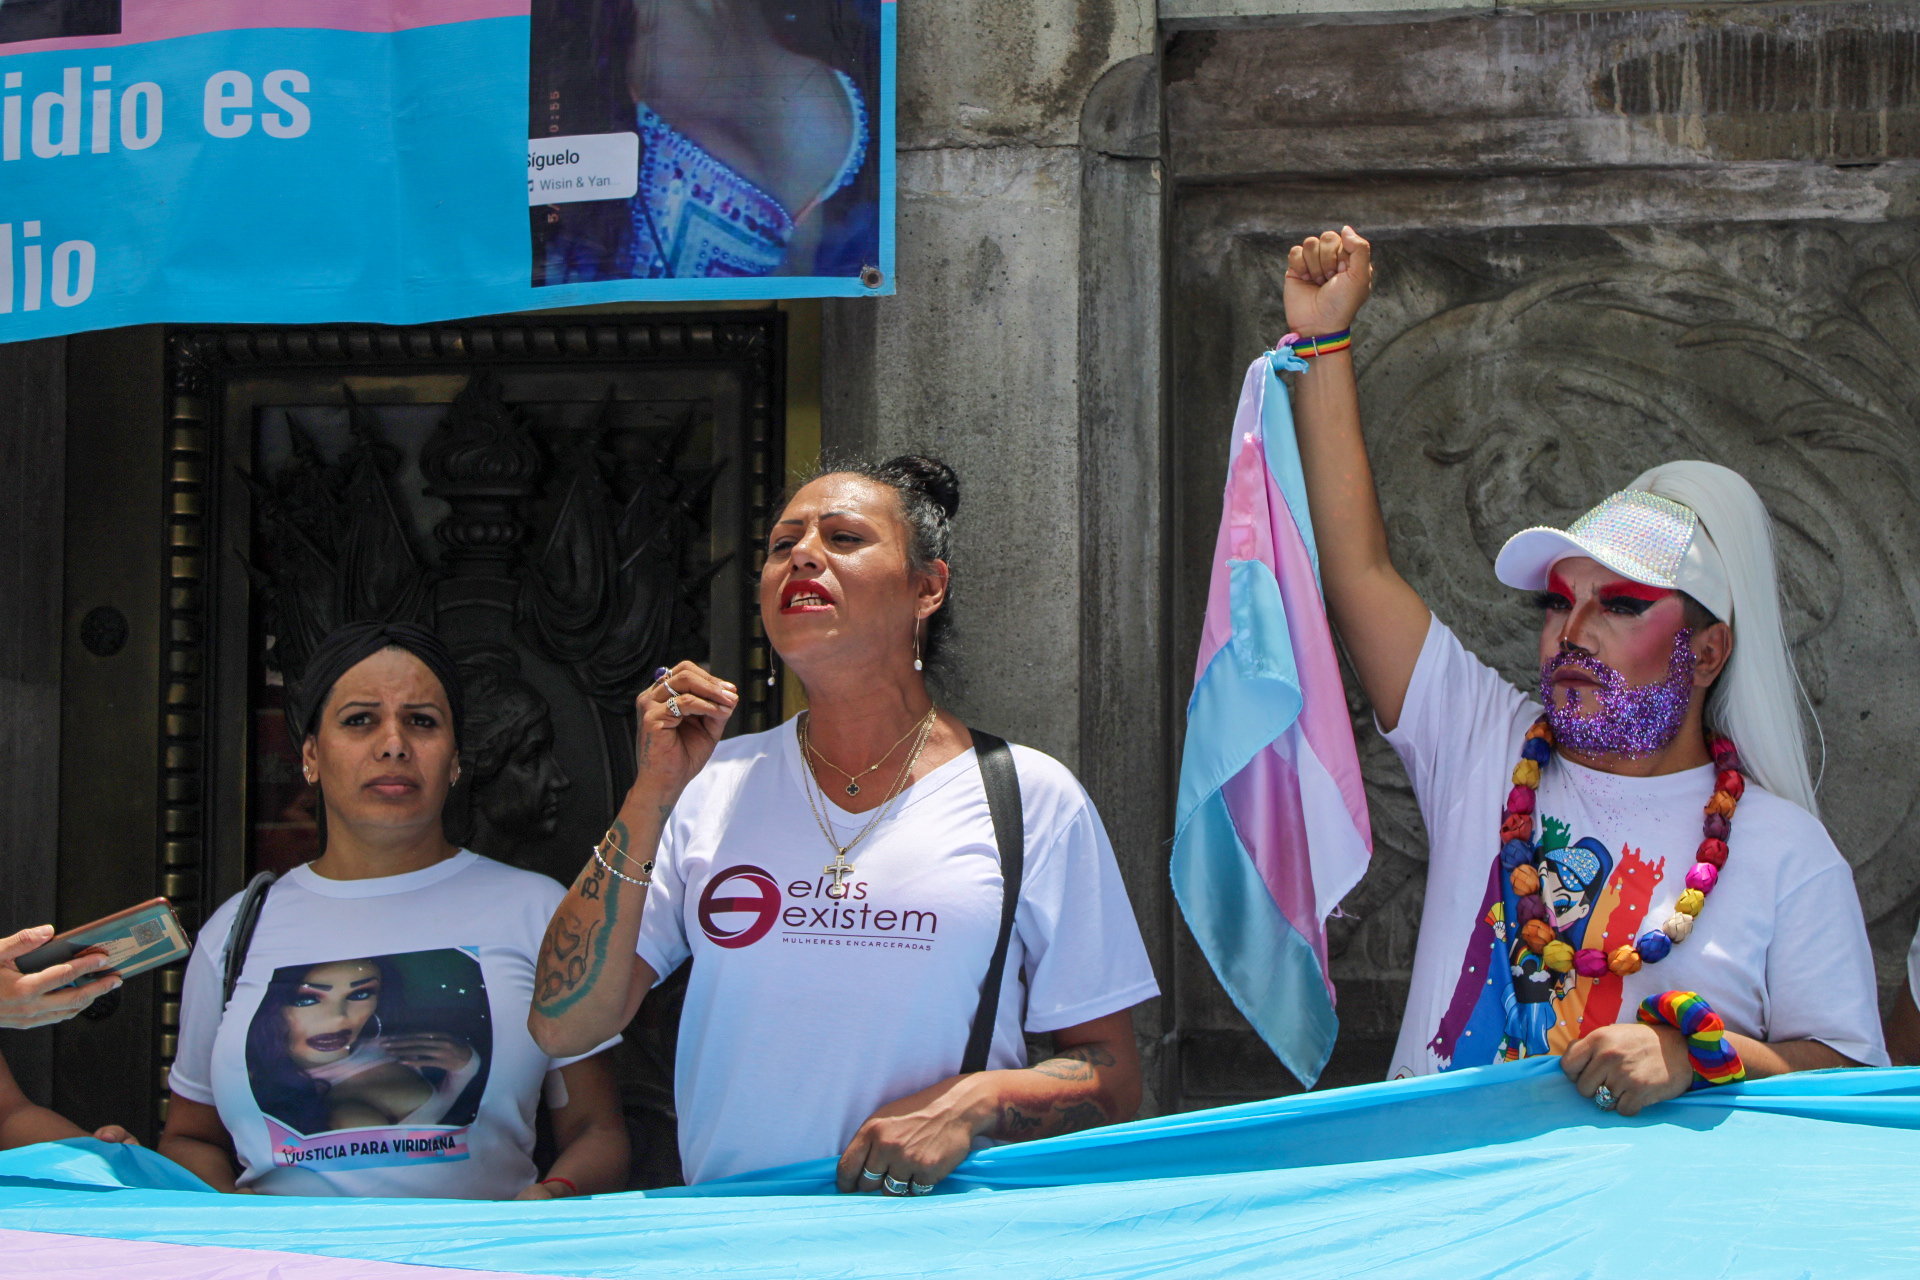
(52, 19)
(371, 1061)
(696, 141)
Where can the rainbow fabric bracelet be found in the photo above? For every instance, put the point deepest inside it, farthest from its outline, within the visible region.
(1324, 345)
(1714, 1059)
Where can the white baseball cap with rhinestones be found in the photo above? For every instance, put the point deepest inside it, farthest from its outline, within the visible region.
(1641, 536)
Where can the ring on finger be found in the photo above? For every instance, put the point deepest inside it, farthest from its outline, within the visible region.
(673, 704)
(894, 1187)
(1603, 1098)
(869, 1175)
(920, 1188)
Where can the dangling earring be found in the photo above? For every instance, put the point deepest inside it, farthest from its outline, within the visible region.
(916, 646)
(771, 677)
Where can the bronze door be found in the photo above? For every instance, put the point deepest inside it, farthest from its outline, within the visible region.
(569, 504)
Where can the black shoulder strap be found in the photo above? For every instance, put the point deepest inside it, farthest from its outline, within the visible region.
(240, 936)
(1010, 833)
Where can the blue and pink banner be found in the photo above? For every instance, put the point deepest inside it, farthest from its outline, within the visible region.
(1491, 1171)
(404, 161)
(1270, 828)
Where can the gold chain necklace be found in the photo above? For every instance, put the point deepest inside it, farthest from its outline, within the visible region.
(840, 868)
(853, 779)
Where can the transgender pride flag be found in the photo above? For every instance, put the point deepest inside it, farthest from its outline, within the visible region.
(1271, 826)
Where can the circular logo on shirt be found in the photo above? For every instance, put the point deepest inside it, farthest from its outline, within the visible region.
(738, 906)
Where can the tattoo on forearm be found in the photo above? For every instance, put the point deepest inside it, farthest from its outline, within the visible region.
(574, 952)
(1075, 1064)
(1015, 1123)
(1081, 1115)
(1078, 1065)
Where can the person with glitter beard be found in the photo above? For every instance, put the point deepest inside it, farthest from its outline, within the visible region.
(1627, 867)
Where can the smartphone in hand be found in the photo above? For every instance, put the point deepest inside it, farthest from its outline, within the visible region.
(140, 938)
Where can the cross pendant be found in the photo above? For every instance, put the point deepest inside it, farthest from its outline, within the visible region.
(839, 869)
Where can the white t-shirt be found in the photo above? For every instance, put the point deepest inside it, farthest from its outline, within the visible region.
(1780, 951)
(1913, 967)
(804, 1013)
(377, 1041)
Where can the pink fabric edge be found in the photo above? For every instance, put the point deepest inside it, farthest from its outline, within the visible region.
(148, 20)
(48, 1256)
(1218, 627)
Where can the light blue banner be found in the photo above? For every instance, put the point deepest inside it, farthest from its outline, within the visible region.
(1495, 1171)
(307, 175)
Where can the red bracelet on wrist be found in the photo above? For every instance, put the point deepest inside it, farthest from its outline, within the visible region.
(571, 1189)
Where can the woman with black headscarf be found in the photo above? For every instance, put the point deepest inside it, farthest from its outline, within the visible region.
(375, 1042)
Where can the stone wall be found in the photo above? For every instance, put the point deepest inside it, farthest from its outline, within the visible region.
(1604, 240)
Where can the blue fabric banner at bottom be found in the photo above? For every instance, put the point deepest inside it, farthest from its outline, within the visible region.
(1493, 1171)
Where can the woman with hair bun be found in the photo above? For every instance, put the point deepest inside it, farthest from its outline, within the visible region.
(865, 971)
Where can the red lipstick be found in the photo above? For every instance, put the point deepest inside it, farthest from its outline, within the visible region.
(805, 595)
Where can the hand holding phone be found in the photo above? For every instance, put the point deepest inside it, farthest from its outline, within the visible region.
(114, 948)
(53, 994)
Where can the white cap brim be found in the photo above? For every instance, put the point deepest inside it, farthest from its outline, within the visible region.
(1529, 556)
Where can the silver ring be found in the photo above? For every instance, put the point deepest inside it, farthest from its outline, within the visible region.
(673, 706)
(868, 1175)
(895, 1187)
(1603, 1098)
(921, 1188)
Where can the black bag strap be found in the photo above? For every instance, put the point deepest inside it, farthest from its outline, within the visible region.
(240, 936)
(1002, 784)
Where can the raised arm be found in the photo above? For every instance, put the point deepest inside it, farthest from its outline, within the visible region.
(590, 983)
(1382, 621)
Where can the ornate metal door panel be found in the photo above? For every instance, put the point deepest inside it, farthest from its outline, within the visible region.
(569, 506)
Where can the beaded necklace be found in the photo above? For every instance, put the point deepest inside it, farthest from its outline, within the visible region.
(1521, 860)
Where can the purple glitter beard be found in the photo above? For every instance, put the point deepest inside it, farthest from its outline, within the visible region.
(1630, 721)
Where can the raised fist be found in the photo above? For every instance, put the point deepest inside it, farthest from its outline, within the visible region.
(1328, 279)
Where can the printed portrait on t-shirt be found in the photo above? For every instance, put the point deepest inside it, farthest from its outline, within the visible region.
(1508, 1003)
(371, 1061)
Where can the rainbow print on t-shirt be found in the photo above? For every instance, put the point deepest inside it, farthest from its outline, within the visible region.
(1601, 902)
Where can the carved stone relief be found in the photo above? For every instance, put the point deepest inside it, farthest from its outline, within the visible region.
(1514, 377)
(566, 570)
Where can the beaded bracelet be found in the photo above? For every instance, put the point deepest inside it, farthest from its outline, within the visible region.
(1324, 345)
(608, 842)
(1712, 1056)
(646, 869)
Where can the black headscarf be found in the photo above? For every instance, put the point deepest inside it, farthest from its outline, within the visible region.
(346, 647)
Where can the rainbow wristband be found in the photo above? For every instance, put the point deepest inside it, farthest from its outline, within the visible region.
(1324, 345)
(1714, 1059)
